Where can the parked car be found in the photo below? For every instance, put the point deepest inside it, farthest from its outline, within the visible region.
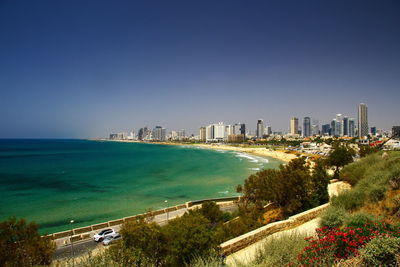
(103, 234)
(109, 239)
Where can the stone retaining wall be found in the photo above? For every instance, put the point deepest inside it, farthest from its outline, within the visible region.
(240, 242)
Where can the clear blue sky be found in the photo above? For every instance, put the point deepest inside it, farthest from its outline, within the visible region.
(87, 68)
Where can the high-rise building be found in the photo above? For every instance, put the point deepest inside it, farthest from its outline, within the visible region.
(219, 131)
(339, 125)
(373, 130)
(202, 134)
(352, 127)
(142, 133)
(159, 133)
(216, 132)
(294, 126)
(228, 130)
(268, 130)
(210, 133)
(239, 128)
(362, 120)
(326, 128)
(345, 126)
(260, 129)
(315, 127)
(306, 126)
(333, 127)
(396, 132)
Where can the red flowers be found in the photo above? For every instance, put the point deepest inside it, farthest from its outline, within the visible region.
(331, 245)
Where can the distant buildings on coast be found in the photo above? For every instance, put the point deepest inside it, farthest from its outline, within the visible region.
(341, 126)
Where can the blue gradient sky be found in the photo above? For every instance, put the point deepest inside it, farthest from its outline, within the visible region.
(87, 68)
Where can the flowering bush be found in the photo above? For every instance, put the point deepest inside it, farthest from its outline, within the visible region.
(333, 244)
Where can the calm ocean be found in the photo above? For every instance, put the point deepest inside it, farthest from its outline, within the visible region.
(54, 181)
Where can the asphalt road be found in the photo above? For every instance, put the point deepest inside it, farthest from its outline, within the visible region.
(76, 250)
(83, 247)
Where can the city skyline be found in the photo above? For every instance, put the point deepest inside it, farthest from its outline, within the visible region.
(82, 70)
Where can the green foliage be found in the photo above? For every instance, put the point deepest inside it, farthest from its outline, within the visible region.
(142, 243)
(293, 187)
(189, 236)
(366, 150)
(212, 212)
(339, 157)
(320, 180)
(21, 244)
(359, 220)
(333, 217)
(381, 251)
(349, 200)
(102, 259)
(280, 250)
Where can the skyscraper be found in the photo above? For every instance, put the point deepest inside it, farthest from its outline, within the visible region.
(339, 125)
(345, 126)
(294, 126)
(159, 133)
(352, 128)
(326, 128)
(306, 126)
(202, 134)
(260, 129)
(362, 120)
(333, 127)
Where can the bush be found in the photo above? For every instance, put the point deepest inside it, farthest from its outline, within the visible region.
(21, 244)
(332, 245)
(359, 219)
(356, 171)
(349, 200)
(381, 251)
(281, 250)
(333, 217)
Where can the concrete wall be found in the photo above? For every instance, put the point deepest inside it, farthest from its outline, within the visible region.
(240, 242)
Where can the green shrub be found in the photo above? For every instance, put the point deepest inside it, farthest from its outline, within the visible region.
(359, 220)
(280, 250)
(381, 251)
(333, 217)
(349, 200)
(208, 262)
(356, 171)
(376, 192)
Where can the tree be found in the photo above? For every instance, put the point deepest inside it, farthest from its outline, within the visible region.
(22, 245)
(291, 187)
(211, 211)
(339, 157)
(143, 244)
(189, 236)
(320, 180)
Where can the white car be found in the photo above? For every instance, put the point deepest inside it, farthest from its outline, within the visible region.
(103, 234)
(109, 239)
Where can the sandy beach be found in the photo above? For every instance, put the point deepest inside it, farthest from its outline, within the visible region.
(258, 151)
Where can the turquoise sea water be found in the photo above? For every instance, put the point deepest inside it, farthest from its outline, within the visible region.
(54, 181)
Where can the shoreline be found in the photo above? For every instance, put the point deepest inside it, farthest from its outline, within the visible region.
(257, 151)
